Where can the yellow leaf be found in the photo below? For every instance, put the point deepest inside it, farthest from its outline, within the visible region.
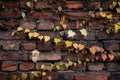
(23, 15)
(20, 28)
(40, 37)
(59, 8)
(75, 45)
(30, 35)
(118, 10)
(23, 76)
(109, 16)
(46, 38)
(56, 28)
(42, 66)
(92, 50)
(27, 31)
(68, 43)
(28, 4)
(87, 60)
(35, 0)
(44, 73)
(64, 26)
(79, 62)
(35, 34)
(57, 40)
(116, 27)
(102, 14)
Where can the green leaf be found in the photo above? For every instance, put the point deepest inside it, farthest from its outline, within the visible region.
(28, 4)
(23, 76)
(23, 15)
(84, 32)
(13, 77)
(70, 63)
(79, 62)
(56, 28)
(31, 76)
(109, 16)
(114, 3)
(118, 10)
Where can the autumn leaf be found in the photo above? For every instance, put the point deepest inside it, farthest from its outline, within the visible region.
(80, 46)
(111, 56)
(102, 14)
(13, 77)
(56, 28)
(28, 4)
(35, 34)
(109, 16)
(75, 45)
(118, 10)
(79, 62)
(35, 54)
(23, 76)
(70, 63)
(68, 43)
(57, 40)
(30, 35)
(84, 32)
(40, 37)
(59, 8)
(117, 27)
(31, 76)
(20, 28)
(92, 50)
(26, 30)
(46, 38)
(23, 15)
(71, 33)
(104, 57)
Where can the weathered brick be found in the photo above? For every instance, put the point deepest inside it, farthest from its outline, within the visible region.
(8, 35)
(29, 45)
(113, 66)
(112, 45)
(22, 4)
(95, 66)
(45, 25)
(13, 55)
(42, 5)
(10, 45)
(60, 76)
(114, 76)
(10, 15)
(26, 66)
(4, 76)
(9, 66)
(29, 25)
(92, 76)
(47, 56)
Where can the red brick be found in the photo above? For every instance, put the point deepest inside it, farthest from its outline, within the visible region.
(48, 56)
(10, 15)
(113, 66)
(8, 35)
(63, 75)
(4, 76)
(9, 66)
(29, 46)
(95, 66)
(10, 45)
(13, 55)
(112, 45)
(29, 25)
(45, 25)
(42, 5)
(26, 66)
(92, 76)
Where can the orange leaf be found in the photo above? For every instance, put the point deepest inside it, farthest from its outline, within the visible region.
(111, 56)
(104, 57)
(92, 50)
(81, 47)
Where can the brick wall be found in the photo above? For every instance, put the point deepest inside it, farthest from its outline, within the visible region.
(15, 51)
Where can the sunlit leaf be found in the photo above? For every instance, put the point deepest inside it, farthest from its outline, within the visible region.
(23, 15)
(68, 43)
(80, 46)
(28, 4)
(40, 37)
(109, 16)
(75, 45)
(87, 59)
(79, 62)
(114, 3)
(84, 32)
(111, 56)
(44, 73)
(92, 50)
(112, 6)
(35, 34)
(104, 57)
(20, 28)
(23, 76)
(46, 38)
(30, 35)
(57, 40)
(42, 66)
(13, 77)
(56, 28)
(18, 78)
(35, 54)
(116, 27)
(27, 30)
(102, 14)
(70, 63)
(35, 1)
(59, 8)
(31, 76)
(118, 10)
(59, 65)
(71, 33)
(13, 33)
(119, 3)
(36, 73)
